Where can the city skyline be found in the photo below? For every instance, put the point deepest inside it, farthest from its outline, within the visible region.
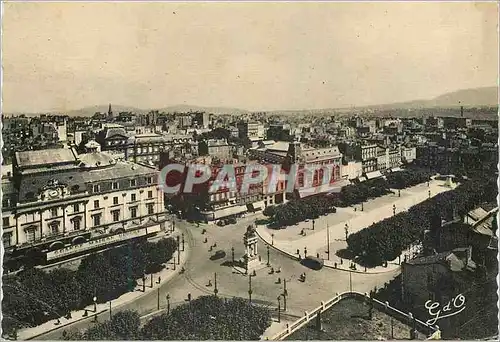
(267, 56)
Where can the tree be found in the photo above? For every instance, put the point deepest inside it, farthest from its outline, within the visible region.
(210, 318)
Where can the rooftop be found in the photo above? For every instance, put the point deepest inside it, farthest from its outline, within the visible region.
(50, 156)
(349, 320)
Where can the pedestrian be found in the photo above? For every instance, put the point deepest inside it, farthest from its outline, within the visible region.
(209, 282)
(279, 269)
(317, 255)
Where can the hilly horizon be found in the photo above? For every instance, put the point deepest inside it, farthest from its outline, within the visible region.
(475, 97)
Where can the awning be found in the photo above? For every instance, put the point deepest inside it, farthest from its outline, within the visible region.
(396, 169)
(373, 175)
(323, 189)
(230, 211)
(361, 179)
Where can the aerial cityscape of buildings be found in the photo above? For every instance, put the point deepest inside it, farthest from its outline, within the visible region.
(218, 171)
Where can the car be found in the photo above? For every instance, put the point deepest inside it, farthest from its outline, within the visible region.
(218, 255)
(221, 223)
(231, 220)
(313, 262)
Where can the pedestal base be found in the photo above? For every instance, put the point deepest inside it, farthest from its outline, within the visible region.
(253, 265)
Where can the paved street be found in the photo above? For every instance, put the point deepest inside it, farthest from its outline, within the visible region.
(319, 285)
(289, 239)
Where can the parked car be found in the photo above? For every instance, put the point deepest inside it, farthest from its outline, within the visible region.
(221, 223)
(313, 262)
(231, 220)
(218, 255)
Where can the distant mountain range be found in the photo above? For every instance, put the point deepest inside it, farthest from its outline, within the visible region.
(476, 97)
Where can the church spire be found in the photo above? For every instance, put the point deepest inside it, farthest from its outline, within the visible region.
(110, 111)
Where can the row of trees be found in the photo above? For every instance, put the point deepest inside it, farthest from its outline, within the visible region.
(205, 318)
(361, 192)
(406, 179)
(34, 296)
(386, 240)
(298, 210)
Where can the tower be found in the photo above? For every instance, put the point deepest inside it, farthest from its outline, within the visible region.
(294, 152)
(110, 112)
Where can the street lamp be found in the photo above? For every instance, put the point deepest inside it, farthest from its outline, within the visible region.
(272, 239)
(268, 263)
(279, 308)
(399, 193)
(232, 254)
(429, 194)
(215, 283)
(178, 250)
(362, 206)
(249, 288)
(393, 209)
(183, 242)
(95, 308)
(168, 304)
(313, 224)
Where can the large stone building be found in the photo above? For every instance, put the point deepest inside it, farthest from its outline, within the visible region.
(59, 203)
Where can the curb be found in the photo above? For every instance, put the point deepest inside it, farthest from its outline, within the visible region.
(62, 326)
(176, 272)
(328, 266)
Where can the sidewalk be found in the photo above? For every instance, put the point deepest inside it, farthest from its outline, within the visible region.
(316, 240)
(166, 274)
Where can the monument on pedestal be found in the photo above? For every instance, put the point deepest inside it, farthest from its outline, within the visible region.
(251, 257)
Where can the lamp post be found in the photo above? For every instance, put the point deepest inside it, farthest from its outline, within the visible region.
(183, 242)
(328, 241)
(285, 294)
(232, 254)
(158, 299)
(249, 288)
(362, 206)
(151, 280)
(393, 209)
(95, 308)
(178, 250)
(279, 308)
(215, 283)
(110, 309)
(272, 239)
(143, 283)
(313, 222)
(268, 263)
(350, 280)
(429, 194)
(399, 192)
(168, 304)
(173, 226)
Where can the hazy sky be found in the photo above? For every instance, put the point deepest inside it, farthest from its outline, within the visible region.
(61, 56)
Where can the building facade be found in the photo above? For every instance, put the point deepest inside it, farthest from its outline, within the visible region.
(60, 200)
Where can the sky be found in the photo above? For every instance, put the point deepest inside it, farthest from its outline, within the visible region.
(255, 56)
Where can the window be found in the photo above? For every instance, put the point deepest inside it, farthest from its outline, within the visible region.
(53, 212)
(114, 185)
(132, 198)
(77, 223)
(115, 200)
(6, 221)
(96, 188)
(149, 180)
(30, 234)
(96, 204)
(5, 203)
(133, 182)
(150, 194)
(133, 212)
(76, 207)
(151, 208)
(7, 239)
(97, 220)
(54, 227)
(116, 215)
